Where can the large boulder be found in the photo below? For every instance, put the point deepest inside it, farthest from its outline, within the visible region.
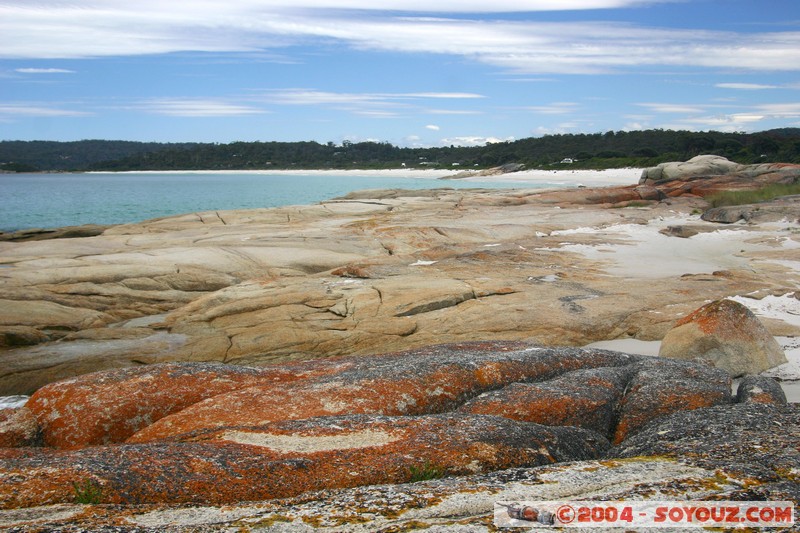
(106, 407)
(583, 398)
(287, 459)
(726, 333)
(754, 440)
(776, 210)
(760, 389)
(429, 380)
(701, 165)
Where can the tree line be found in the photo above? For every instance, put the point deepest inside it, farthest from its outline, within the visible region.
(597, 150)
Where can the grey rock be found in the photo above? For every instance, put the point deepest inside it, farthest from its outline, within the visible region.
(760, 389)
(755, 440)
(683, 232)
(706, 165)
(782, 208)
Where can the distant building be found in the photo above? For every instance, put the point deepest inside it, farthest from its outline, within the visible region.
(567, 161)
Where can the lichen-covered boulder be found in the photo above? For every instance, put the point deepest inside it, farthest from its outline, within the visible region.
(760, 389)
(662, 386)
(726, 333)
(582, 398)
(215, 434)
(18, 427)
(752, 440)
(107, 407)
(289, 458)
(429, 380)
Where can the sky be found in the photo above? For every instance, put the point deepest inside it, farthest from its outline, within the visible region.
(409, 72)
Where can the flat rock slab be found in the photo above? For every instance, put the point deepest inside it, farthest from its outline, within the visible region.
(457, 504)
(381, 272)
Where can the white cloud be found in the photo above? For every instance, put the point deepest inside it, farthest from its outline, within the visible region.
(441, 95)
(745, 86)
(673, 108)
(44, 71)
(452, 112)
(433, 127)
(190, 107)
(52, 28)
(556, 108)
(37, 110)
(473, 141)
(785, 110)
(376, 105)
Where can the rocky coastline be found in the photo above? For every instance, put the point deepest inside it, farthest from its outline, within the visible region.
(396, 360)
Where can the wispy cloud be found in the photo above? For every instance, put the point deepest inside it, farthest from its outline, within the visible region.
(556, 108)
(746, 86)
(51, 28)
(432, 127)
(743, 118)
(191, 107)
(674, 108)
(452, 112)
(378, 105)
(44, 71)
(26, 109)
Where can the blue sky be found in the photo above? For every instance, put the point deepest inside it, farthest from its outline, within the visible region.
(410, 72)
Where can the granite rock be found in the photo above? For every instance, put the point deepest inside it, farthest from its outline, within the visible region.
(378, 271)
(107, 407)
(726, 333)
(760, 389)
(336, 424)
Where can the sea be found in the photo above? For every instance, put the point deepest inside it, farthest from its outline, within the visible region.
(71, 199)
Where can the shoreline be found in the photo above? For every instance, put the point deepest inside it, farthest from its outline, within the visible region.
(595, 178)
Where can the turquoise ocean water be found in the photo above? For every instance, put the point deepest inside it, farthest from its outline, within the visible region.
(53, 200)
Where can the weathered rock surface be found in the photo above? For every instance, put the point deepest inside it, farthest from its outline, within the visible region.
(701, 165)
(726, 333)
(646, 398)
(748, 440)
(339, 472)
(382, 271)
(458, 504)
(67, 232)
(106, 407)
(583, 398)
(290, 458)
(759, 389)
(431, 380)
(780, 209)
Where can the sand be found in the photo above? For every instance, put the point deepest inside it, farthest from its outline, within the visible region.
(555, 178)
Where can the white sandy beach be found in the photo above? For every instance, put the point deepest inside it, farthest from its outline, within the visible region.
(565, 178)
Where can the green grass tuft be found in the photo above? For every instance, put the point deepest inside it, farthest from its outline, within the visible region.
(87, 491)
(425, 472)
(763, 194)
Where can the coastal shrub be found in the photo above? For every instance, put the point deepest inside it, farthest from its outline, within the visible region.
(87, 492)
(764, 194)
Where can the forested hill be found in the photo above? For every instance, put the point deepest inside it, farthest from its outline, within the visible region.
(600, 150)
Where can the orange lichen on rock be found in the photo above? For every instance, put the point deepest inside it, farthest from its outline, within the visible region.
(583, 398)
(107, 407)
(726, 333)
(289, 458)
(661, 387)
